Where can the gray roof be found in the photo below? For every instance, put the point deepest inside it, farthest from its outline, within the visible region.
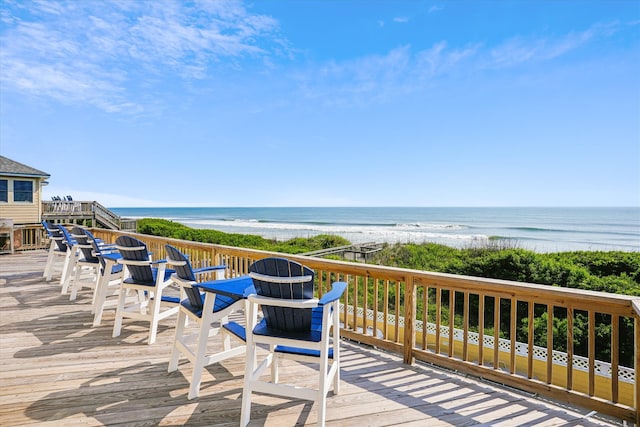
(13, 168)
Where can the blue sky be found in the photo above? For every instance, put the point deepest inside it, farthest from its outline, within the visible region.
(325, 103)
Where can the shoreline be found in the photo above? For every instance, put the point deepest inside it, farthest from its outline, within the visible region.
(538, 229)
(499, 242)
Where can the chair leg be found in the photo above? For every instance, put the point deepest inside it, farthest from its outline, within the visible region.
(250, 363)
(201, 346)
(96, 278)
(155, 317)
(68, 264)
(48, 269)
(117, 326)
(178, 337)
(322, 390)
(99, 300)
(198, 366)
(143, 302)
(73, 284)
(274, 365)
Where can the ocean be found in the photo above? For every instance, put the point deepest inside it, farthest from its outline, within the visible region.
(537, 229)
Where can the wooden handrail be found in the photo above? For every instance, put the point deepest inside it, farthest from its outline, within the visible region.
(409, 312)
(70, 211)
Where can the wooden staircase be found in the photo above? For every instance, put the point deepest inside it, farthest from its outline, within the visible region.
(77, 212)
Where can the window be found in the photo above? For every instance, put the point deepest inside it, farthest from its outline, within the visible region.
(4, 190)
(23, 191)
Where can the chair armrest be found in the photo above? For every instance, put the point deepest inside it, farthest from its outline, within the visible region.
(208, 269)
(141, 262)
(281, 302)
(337, 289)
(130, 248)
(133, 262)
(277, 279)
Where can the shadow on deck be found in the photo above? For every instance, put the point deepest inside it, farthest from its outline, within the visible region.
(58, 370)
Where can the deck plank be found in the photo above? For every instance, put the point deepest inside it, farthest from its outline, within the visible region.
(56, 369)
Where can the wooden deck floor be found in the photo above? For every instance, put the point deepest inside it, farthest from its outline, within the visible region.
(55, 369)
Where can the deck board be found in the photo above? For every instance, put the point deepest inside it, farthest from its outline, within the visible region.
(56, 369)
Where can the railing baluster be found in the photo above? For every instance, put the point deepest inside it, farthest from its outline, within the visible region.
(385, 310)
(425, 317)
(570, 315)
(356, 283)
(438, 317)
(480, 329)
(375, 306)
(549, 343)
(396, 337)
(592, 351)
(465, 343)
(615, 339)
(365, 305)
(512, 336)
(496, 332)
(452, 317)
(530, 341)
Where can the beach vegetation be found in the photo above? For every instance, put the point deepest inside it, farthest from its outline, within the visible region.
(613, 272)
(175, 230)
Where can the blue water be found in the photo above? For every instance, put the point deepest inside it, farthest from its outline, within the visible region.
(538, 229)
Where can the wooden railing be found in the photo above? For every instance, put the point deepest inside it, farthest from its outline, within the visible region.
(30, 237)
(91, 211)
(451, 320)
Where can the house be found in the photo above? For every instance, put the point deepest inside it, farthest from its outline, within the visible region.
(21, 192)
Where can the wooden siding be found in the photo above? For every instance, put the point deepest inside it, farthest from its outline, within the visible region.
(56, 370)
(22, 212)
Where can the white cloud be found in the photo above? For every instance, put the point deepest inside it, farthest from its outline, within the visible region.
(90, 52)
(375, 78)
(401, 19)
(520, 50)
(435, 8)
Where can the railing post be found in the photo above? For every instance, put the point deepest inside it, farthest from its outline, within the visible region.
(409, 319)
(636, 329)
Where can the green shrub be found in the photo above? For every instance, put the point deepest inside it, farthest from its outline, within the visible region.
(166, 228)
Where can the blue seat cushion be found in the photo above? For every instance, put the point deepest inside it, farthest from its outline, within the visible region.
(313, 334)
(154, 271)
(221, 302)
(173, 300)
(236, 329)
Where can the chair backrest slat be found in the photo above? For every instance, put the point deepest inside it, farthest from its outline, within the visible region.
(55, 234)
(284, 318)
(133, 249)
(68, 239)
(85, 246)
(97, 250)
(180, 263)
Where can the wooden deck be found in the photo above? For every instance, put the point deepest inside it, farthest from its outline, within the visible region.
(55, 369)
